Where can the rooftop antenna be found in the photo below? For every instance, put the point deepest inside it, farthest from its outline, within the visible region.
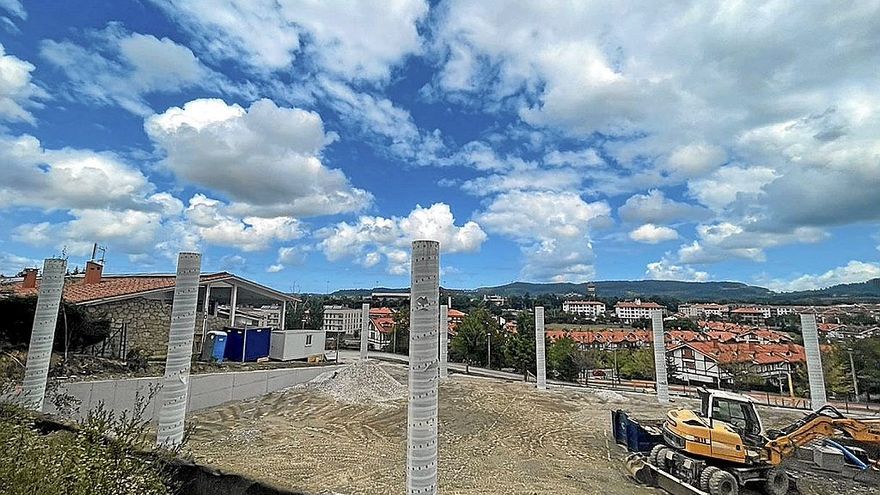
(95, 249)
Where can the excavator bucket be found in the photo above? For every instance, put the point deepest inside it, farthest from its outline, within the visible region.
(639, 469)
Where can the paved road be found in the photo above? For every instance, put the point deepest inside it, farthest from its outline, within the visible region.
(636, 386)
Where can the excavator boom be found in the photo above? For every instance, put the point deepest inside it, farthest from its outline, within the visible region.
(826, 422)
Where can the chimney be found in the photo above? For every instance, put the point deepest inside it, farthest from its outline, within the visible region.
(30, 278)
(93, 272)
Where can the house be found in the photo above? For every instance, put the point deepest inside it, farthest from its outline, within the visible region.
(381, 328)
(706, 362)
(138, 307)
(752, 315)
(636, 310)
(588, 309)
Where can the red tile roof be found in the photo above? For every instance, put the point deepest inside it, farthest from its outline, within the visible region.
(110, 286)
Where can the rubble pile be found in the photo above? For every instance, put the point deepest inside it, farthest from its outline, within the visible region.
(609, 396)
(363, 382)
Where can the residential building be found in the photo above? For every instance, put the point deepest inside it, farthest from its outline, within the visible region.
(704, 310)
(753, 315)
(381, 328)
(342, 320)
(635, 310)
(266, 316)
(711, 362)
(454, 317)
(495, 299)
(588, 309)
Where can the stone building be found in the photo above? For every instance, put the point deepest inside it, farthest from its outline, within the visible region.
(138, 307)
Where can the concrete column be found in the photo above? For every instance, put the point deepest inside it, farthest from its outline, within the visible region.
(205, 305)
(539, 348)
(43, 333)
(444, 337)
(810, 333)
(421, 452)
(283, 324)
(660, 377)
(233, 305)
(175, 386)
(365, 329)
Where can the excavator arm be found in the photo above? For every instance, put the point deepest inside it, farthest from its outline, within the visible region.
(827, 422)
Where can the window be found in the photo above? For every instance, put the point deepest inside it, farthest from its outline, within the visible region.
(308, 340)
(687, 353)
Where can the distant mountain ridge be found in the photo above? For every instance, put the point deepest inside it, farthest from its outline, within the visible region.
(682, 291)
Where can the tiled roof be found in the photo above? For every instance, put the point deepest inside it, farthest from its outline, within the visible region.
(383, 324)
(740, 352)
(110, 286)
(381, 312)
(454, 313)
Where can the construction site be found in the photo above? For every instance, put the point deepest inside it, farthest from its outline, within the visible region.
(345, 433)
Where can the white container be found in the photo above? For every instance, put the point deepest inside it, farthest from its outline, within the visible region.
(287, 345)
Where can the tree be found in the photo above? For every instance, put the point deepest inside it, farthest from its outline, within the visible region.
(400, 332)
(637, 364)
(309, 314)
(469, 343)
(519, 353)
(75, 328)
(562, 359)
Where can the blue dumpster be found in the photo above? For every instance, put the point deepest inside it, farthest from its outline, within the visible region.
(214, 346)
(247, 344)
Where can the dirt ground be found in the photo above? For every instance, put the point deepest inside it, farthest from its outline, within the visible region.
(495, 438)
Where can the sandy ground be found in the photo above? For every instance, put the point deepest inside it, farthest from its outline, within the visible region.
(495, 438)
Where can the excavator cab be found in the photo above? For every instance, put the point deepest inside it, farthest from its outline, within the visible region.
(736, 410)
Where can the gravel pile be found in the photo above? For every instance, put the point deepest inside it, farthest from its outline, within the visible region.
(609, 396)
(363, 382)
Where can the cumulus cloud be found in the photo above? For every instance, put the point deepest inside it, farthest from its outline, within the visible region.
(655, 207)
(729, 184)
(129, 231)
(31, 176)
(210, 218)
(266, 159)
(552, 230)
(653, 234)
(695, 159)
(665, 270)
(725, 240)
(11, 264)
(17, 91)
(349, 40)
(852, 272)
(372, 239)
(118, 67)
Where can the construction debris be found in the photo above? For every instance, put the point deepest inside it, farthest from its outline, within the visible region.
(363, 382)
(609, 396)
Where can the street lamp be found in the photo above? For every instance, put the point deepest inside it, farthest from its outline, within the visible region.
(489, 352)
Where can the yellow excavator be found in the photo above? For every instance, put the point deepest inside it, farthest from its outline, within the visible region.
(724, 446)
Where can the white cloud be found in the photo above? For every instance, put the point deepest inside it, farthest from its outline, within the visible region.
(852, 272)
(653, 234)
(695, 159)
(14, 7)
(725, 240)
(581, 158)
(265, 158)
(289, 256)
(371, 239)
(655, 207)
(129, 231)
(17, 91)
(213, 223)
(352, 40)
(665, 270)
(118, 67)
(552, 230)
(730, 184)
(11, 264)
(31, 176)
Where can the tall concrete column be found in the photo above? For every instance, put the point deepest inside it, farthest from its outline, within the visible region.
(810, 333)
(43, 333)
(539, 348)
(660, 377)
(365, 329)
(444, 337)
(421, 452)
(175, 386)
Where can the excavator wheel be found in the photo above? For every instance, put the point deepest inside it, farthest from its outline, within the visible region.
(777, 482)
(652, 457)
(722, 483)
(705, 476)
(660, 459)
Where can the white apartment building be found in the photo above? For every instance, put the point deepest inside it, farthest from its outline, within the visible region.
(589, 309)
(339, 319)
(703, 310)
(636, 310)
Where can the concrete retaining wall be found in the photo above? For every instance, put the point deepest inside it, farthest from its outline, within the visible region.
(205, 391)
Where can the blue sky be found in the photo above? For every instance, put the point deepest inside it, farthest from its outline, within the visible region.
(304, 144)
